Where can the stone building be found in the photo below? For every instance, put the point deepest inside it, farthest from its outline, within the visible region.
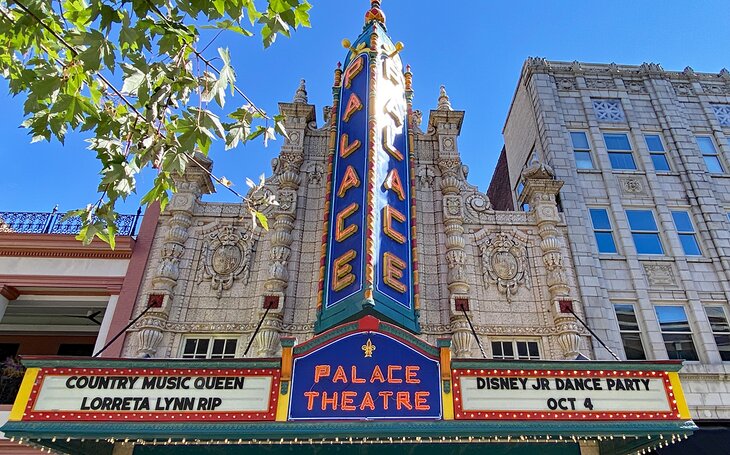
(215, 277)
(644, 157)
(389, 303)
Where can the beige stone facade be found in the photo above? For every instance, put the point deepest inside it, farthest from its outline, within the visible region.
(213, 274)
(639, 103)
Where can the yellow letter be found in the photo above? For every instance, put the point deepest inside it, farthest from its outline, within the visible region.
(345, 149)
(392, 182)
(341, 233)
(341, 276)
(390, 214)
(352, 71)
(349, 180)
(393, 268)
(353, 105)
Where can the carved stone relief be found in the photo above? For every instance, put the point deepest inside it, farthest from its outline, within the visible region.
(476, 206)
(566, 83)
(315, 172)
(600, 84)
(504, 262)
(682, 89)
(425, 176)
(660, 275)
(226, 255)
(712, 89)
(632, 186)
(635, 87)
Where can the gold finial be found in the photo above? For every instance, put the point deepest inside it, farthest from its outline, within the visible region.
(368, 348)
(398, 47)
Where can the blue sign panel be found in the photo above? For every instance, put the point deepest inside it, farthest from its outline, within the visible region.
(348, 204)
(362, 376)
(393, 266)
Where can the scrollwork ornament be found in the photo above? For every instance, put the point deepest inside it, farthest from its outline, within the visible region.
(504, 262)
(226, 256)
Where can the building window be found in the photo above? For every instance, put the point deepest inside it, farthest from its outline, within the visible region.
(581, 150)
(720, 329)
(709, 153)
(686, 231)
(619, 151)
(630, 332)
(676, 332)
(209, 348)
(657, 152)
(602, 230)
(722, 113)
(608, 110)
(645, 232)
(515, 350)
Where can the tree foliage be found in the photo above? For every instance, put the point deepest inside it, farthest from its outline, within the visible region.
(134, 76)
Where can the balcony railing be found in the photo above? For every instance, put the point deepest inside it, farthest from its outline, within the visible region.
(53, 223)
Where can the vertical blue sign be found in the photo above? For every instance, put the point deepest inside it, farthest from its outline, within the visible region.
(368, 262)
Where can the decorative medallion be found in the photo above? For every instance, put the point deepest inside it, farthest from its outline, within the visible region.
(504, 262)
(226, 255)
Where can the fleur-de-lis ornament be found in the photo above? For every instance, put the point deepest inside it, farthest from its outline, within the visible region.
(368, 348)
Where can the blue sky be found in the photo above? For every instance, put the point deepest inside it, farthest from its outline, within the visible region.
(476, 48)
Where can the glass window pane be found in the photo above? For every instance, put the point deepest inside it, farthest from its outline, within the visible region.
(672, 318)
(641, 220)
(583, 160)
(616, 141)
(718, 319)
(648, 243)
(621, 160)
(706, 145)
(507, 349)
(689, 245)
(202, 346)
(654, 143)
(600, 220)
(723, 345)
(496, 349)
(713, 164)
(626, 317)
(189, 346)
(218, 346)
(605, 242)
(682, 221)
(660, 162)
(680, 346)
(534, 351)
(522, 348)
(632, 346)
(231, 347)
(580, 141)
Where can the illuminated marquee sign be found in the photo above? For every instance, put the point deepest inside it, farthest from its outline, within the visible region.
(134, 394)
(369, 264)
(365, 375)
(564, 395)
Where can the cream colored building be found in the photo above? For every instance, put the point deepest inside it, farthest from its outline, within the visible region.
(645, 158)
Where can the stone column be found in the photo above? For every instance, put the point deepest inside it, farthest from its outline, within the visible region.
(190, 187)
(540, 191)
(447, 124)
(287, 176)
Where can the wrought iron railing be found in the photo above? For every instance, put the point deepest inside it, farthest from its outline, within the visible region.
(54, 223)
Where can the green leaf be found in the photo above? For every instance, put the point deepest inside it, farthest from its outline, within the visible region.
(301, 14)
(263, 220)
(133, 78)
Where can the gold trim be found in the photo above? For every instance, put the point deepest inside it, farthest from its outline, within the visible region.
(679, 396)
(21, 400)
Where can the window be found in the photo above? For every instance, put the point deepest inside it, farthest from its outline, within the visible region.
(657, 152)
(581, 150)
(522, 350)
(720, 329)
(608, 110)
(209, 348)
(630, 333)
(709, 153)
(676, 332)
(686, 233)
(602, 231)
(645, 232)
(619, 151)
(722, 113)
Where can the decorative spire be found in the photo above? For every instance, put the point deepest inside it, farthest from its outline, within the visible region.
(444, 102)
(375, 13)
(301, 94)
